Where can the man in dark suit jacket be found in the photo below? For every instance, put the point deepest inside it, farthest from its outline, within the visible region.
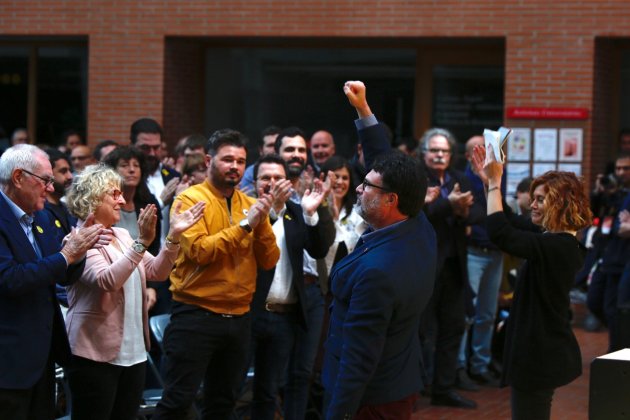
(373, 357)
(280, 303)
(32, 331)
(444, 320)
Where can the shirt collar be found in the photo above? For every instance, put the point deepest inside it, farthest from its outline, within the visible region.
(371, 235)
(15, 209)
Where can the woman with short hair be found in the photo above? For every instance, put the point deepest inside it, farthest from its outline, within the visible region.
(107, 319)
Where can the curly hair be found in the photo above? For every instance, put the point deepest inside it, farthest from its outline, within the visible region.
(89, 188)
(566, 201)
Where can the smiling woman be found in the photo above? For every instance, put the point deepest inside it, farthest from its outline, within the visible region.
(541, 352)
(108, 310)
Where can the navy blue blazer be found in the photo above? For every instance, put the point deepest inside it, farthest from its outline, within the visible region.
(380, 290)
(31, 324)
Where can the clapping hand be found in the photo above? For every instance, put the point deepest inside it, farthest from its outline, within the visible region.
(169, 191)
(260, 209)
(313, 198)
(182, 221)
(492, 170)
(80, 239)
(147, 220)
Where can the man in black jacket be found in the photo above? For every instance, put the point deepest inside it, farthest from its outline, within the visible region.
(443, 321)
(281, 299)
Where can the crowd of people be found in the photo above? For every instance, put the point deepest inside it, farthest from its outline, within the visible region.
(377, 276)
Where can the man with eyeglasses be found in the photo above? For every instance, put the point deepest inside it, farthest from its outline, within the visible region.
(444, 319)
(81, 156)
(146, 135)
(32, 331)
(280, 304)
(372, 365)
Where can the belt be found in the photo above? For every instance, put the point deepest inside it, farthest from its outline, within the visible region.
(281, 308)
(483, 249)
(310, 279)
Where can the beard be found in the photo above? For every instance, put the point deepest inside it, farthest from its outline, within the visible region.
(220, 179)
(60, 189)
(295, 171)
(367, 208)
(152, 163)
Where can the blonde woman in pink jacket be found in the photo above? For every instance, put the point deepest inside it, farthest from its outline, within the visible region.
(107, 319)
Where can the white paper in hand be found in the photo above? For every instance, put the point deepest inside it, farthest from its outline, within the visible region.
(496, 139)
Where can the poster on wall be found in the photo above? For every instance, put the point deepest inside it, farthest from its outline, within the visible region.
(545, 144)
(541, 168)
(519, 144)
(571, 144)
(576, 168)
(515, 174)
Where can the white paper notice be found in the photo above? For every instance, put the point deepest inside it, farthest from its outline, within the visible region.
(519, 146)
(545, 144)
(515, 174)
(571, 144)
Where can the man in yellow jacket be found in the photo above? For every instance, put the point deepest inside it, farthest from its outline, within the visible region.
(212, 284)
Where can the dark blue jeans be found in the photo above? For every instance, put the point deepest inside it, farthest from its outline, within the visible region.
(303, 356)
(202, 346)
(273, 336)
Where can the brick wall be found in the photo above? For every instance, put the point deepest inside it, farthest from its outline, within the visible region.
(549, 45)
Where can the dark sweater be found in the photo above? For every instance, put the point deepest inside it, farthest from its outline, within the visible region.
(540, 350)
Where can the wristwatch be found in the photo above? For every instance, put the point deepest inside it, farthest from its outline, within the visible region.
(245, 225)
(138, 246)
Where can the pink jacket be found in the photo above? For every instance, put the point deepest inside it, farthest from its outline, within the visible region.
(97, 301)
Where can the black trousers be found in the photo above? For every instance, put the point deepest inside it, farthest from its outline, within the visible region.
(102, 391)
(531, 405)
(35, 403)
(442, 327)
(201, 346)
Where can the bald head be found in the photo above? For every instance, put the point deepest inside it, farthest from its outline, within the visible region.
(322, 147)
(471, 143)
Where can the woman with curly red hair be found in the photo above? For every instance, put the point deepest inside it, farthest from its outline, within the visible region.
(541, 352)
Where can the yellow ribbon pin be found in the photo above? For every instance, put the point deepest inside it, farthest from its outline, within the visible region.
(39, 229)
(57, 224)
(286, 216)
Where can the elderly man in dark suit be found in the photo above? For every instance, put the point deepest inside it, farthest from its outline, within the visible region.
(444, 320)
(32, 332)
(373, 356)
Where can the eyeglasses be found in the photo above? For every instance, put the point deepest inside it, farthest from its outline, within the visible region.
(266, 178)
(436, 151)
(367, 183)
(115, 193)
(46, 180)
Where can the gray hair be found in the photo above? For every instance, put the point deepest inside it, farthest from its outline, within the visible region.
(432, 132)
(20, 156)
(89, 188)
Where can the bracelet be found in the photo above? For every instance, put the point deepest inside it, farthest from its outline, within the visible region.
(171, 241)
(492, 189)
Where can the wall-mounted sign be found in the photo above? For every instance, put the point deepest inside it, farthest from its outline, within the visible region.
(536, 113)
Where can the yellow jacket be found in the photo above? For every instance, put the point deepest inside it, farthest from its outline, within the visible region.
(217, 262)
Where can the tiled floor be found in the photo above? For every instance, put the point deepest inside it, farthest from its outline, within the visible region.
(570, 402)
